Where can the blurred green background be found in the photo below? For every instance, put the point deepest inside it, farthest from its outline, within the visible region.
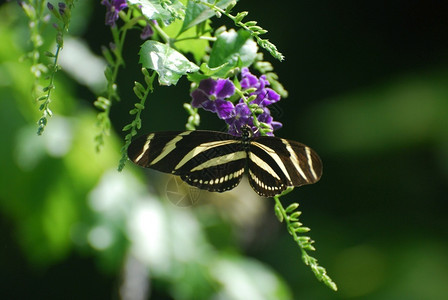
(368, 90)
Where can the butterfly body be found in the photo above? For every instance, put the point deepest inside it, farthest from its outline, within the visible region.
(217, 161)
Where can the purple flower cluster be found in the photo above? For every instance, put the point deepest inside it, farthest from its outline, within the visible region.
(211, 95)
(113, 8)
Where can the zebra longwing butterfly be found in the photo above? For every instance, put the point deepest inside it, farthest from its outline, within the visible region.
(216, 161)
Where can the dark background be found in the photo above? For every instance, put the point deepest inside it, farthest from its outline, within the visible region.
(367, 85)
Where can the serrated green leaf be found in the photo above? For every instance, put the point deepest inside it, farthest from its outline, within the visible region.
(169, 64)
(230, 47)
(153, 10)
(197, 13)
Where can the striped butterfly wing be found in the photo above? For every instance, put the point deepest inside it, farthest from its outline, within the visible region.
(209, 160)
(275, 164)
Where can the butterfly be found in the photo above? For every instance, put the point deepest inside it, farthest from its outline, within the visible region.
(216, 161)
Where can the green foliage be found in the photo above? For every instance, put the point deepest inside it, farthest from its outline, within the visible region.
(165, 10)
(35, 12)
(169, 64)
(232, 49)
(196, 13)
(114, 58)
(194, 119)
(142, 93)
(250, 26)
(179, 28)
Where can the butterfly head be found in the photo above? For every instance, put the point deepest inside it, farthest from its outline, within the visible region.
(246, 133)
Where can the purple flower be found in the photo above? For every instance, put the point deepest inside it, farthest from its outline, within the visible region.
(62, 8)
(240, 116)
(265, 96)
(266, 118)
(210, 96)
(113, 8)
(147, 31)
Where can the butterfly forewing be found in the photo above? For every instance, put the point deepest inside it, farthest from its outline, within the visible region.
(147, 149)
(209, 160)
(307, 163)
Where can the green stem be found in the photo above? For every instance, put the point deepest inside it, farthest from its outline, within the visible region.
(137, 120)
(207, 38)
(162, 34)
(55, 67)
(254, 116)
(305, 243)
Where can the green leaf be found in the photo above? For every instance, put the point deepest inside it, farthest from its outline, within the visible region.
(197, 13)
(230, 47)
(196, 77)
(206, 72)
(188, 41)
(153, 10)
(169, 64)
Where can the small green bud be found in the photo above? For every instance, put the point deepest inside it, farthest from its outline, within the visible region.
(240, 16)
(278, 213)
(292, 207)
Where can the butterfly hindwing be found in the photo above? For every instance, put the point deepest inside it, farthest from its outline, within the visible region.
(265, 174)
(275, 164)
(218, 178)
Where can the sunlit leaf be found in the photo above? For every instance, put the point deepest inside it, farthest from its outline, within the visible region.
(155, 11)
(231, 47)
(169, 64)
(197, 13)
(187, 41)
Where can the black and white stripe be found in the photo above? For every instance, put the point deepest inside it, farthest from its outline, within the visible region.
(216, 161)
